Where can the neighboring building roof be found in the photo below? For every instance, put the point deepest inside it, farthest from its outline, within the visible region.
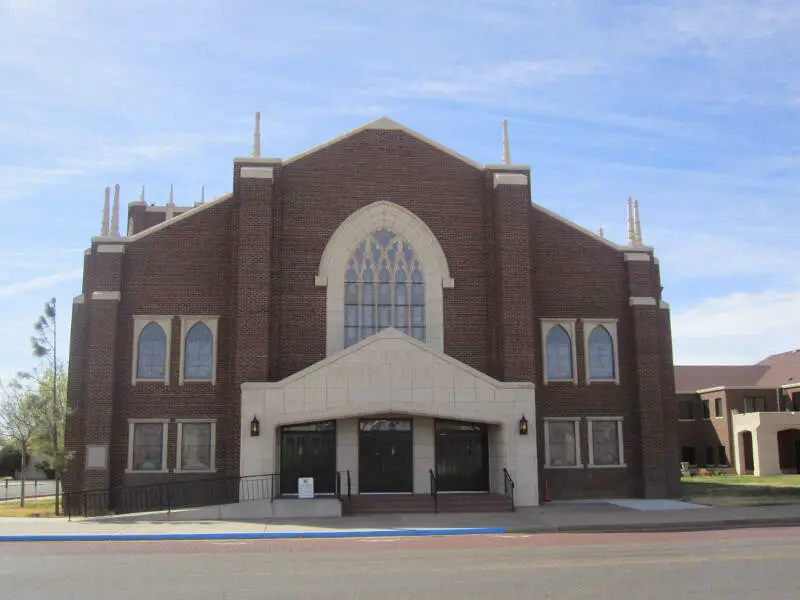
(773, 371)
(700, 377)
(783, 368)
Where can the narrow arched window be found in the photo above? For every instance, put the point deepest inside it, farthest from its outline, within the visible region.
(384, 287)
(601, 354)
(198, 356)
(151, 354)
(559, 354)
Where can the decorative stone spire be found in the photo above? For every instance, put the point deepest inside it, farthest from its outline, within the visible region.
(104, 223)
(506, 150)
(637, 225)
(170, 202)
(602, 233)
(141, 196)
(202, 196)
(631, 226)
(257, 137)
(115, 214)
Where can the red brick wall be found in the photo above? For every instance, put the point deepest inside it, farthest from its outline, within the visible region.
(252, 260)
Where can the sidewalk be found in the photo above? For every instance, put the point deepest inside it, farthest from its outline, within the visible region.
(550, 518)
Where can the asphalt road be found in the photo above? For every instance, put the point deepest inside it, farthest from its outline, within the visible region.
(12, 489)
(752, 564)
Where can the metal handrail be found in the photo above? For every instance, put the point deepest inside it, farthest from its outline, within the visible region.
(509, 486)
(434, 491)
(171, 495)
(349, 487)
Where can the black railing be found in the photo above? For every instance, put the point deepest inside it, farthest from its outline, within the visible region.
(11, 489)
(171, 495)
(349, 488)
(434, 491)
(509, 486)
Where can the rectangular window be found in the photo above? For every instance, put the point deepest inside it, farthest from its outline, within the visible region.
(562, 443)
(723, 456)
(196, 445)
(718, 407)
(757, 404)
(706, 409)
(147, 446)
(685, 410)
(710, 455)
(605, 442)
(687, 455)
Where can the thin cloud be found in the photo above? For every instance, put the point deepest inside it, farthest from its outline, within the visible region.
(739, 328)
(37, 283)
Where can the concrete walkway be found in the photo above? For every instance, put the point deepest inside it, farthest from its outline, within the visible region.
(608, 516)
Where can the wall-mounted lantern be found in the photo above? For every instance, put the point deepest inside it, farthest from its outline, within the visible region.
(255, 427)
(523, 426)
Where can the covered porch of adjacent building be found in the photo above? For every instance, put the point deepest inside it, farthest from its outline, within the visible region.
(766, 443)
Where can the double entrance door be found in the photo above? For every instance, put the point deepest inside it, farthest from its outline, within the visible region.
(462, 456)
(385, 456)
(308, 450)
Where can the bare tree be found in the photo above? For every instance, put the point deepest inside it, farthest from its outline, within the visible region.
(18, 422)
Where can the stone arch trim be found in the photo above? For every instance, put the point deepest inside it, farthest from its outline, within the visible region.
(343, 242)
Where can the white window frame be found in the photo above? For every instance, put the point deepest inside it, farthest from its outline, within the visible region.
(213, 455)
(139, 323)
(569, 327)
(164, 441)
(187, 322)
(611, 326)
(578, 458)
(354, 230)
(620, 440)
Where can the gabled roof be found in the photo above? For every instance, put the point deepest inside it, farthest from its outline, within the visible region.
(384, 123)
(700, 377)
(374, 343)
(773, 371)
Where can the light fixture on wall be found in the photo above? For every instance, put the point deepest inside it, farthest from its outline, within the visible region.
(523, 426)
(255, 427)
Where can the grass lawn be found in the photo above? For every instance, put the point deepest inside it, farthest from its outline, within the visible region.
(742, 490)
(35, 507)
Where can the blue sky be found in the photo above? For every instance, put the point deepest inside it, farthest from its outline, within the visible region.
(691, 106)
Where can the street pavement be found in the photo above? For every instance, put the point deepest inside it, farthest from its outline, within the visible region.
(712, 565)
(10, 489)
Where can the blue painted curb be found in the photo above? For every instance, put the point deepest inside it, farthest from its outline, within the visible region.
(251, 535)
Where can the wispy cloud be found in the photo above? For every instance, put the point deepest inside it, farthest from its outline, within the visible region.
(38, 283)
(739, 328)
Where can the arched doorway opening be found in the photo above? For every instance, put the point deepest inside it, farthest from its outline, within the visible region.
(789, 450)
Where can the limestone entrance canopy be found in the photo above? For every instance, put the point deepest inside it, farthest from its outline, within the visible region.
(391, 373)
(764, 428)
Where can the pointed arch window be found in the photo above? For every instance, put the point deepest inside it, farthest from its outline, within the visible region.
(602, 363)
(198, 354)
(151, 358)
(384, 287)
(559, 355)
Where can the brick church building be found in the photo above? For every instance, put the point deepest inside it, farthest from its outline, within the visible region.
(379, 306)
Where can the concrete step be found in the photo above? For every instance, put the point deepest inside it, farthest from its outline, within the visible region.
(424, 503)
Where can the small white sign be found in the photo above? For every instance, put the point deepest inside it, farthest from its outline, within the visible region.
(305, 487)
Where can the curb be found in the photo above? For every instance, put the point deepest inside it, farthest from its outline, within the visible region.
(250, 535)
(661, 527)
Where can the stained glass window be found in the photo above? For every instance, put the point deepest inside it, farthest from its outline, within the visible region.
(198, 356)
(384, 287)
(601, 354)
(151, 355)
(559, 354)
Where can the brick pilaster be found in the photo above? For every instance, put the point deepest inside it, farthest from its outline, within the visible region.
(515, 329)
(101, 316)
(253, 190)
(670, 404)
(648, 339)
(76, 380)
